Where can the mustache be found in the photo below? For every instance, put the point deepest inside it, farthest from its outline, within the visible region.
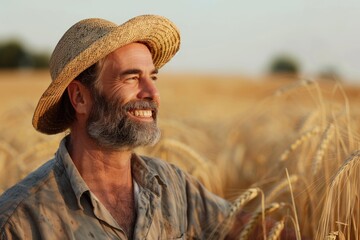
(141, 104)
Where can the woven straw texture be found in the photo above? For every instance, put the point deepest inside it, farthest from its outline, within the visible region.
(90, 40)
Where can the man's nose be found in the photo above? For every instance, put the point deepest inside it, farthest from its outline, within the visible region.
(148, 90)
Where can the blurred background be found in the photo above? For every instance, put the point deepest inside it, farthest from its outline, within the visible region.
(312, 38)
(257, 87)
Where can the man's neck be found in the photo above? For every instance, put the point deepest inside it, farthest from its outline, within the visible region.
(108, 175)
(100, 168)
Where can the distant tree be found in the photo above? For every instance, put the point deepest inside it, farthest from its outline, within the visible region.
(14, 55)
(40, 60)
(284, 64)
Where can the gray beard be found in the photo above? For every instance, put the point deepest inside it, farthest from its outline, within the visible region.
(111, 127)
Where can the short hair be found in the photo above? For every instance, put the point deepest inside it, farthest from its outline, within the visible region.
(88, 78)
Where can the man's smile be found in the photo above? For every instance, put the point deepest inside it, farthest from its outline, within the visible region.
(143, 114)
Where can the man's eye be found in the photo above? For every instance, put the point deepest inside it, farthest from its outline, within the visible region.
(133, 78)
(154, 78)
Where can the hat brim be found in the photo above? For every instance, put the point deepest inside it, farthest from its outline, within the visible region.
(158, 33)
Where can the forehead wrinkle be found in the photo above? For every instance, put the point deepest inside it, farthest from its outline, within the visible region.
(136, 71)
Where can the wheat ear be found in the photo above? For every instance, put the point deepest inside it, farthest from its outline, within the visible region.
(244, 198)
(251, 224)
(332, 236)
(236, 206)
(319, 155)
(276, 230)
(347, 165)
(304, 137)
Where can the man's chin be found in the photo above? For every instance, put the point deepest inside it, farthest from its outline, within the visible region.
(132, 141)
(129, 134)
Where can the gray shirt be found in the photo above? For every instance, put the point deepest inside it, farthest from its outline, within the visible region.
(54, 202)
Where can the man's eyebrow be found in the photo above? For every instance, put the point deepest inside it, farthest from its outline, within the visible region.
(130, 71)
(136, 71)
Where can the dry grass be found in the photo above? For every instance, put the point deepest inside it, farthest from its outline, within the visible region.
(232, 134)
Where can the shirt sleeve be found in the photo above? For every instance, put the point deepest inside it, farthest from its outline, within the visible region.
(205, 211)
(11, 231)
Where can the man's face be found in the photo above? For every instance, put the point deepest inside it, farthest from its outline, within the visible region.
(125, 100)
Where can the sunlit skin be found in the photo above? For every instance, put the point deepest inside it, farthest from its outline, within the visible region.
(130, 78)
(126, 74)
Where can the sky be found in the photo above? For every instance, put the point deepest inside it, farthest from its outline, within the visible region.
(217, 36)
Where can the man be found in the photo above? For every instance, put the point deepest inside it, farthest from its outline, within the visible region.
(104, 90)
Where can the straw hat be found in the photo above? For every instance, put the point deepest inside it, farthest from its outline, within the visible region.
(90, 40)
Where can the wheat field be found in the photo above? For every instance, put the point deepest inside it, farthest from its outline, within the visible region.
(283, 148)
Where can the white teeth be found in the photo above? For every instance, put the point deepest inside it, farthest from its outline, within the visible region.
(142, 113)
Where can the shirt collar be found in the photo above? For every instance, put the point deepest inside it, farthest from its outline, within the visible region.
(77, 182)
(144, 175)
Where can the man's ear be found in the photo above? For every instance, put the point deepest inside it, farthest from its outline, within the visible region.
(79, 97)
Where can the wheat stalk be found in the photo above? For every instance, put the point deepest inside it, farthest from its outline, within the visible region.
(192, 162)
(297, 228)
(46, 148)
(341, 206)
(181, 148)
(7, 153)
(280, 186)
